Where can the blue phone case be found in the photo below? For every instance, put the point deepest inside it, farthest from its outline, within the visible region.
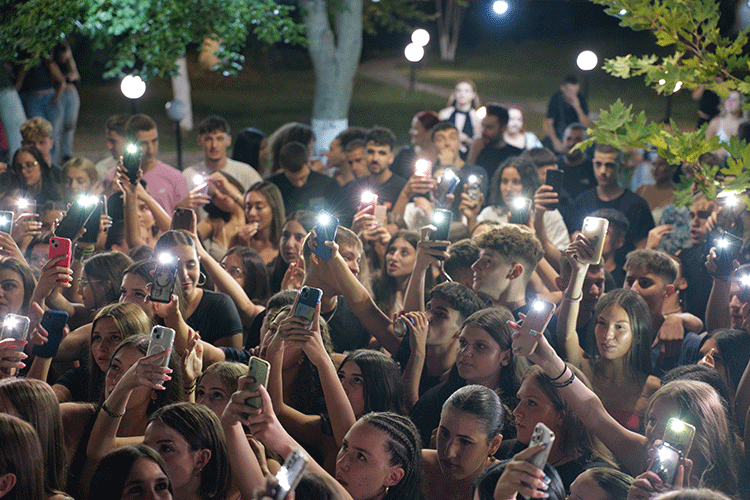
(323, 234)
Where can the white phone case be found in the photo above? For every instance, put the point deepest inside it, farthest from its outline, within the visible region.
(162, 339)
(595, 230)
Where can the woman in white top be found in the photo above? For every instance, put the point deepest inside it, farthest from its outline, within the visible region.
(462, 112)
(726, 124)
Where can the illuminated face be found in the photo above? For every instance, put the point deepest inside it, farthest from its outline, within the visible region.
(11, 292)
(290, 244)
(351, 256)
(447, 140)
(105, 337)
(738, 304)
(510, 185)
(134, 290)
(188, 268)
(212, 393)
(533, 407)
(700, 211)
(614, 336)
(605, 169)
(43, 144)
(148, 140)
(28, 169)
(399, 259)
(357, 161)
(77, 182)
(232, 264)
(462, 444)
(491, 273)
(379, 157)
(515, 121)
(353, 382)
(258, 209)
(215, 144)
(480, 358)
(648, 285)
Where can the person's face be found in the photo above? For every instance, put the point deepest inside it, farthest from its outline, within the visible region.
(491, 130)
(733, 102)
(148, 140)
(420, 136)
(121, 363)
(105, 337)
(115, 144)
(43, 144)
(515, 121)
(462, 444)
(533, 407)
(351, 256)
(614, 335)
(661, 169)
(39, 257)
(570, 90)
(447, 140)
(586, 488)
(357, 161)
(605, 169)
(28, 169)
(399, 259)
(77, 182)
(444, 322)
(188, 268)
(182, 462)
(491, 273)
(573, 137)
(335, 154)
(146, 218)
(660, 412)
(11, 292)
(290, 244)
(379, 157)
(480, 358)
(257, 209)
(541, 172)
(649, 286)
(510, 185)
(738, 309)
(363, 463)
(89, 289)
(353, 382)
(212, 394)
(464, 93)
(134, 290)
(215, 144)
(700, 211)
(714, 360)
(593, 288)
(146, 481)
(232, 264)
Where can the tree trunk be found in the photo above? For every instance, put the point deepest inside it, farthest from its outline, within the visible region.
(335, 57)
(450, 15)
(181, 91)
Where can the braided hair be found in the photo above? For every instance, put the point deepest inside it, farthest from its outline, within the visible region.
(404, 445)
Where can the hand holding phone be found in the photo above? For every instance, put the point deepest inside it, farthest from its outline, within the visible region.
(131, 160)
(542, 435)
(306, 303)
(165, 275)
(554, 178)
(520, 211)
(595, 230)
(53, 323)
(536, 320)
(325, 230)
(448, 183)
(162, 339)
(289, 474)
(666, 462)
(15, 327)
(259, 370)
(59, 247)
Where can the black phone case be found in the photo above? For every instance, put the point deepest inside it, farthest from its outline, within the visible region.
(554, 178)
(74, 220)
(132, 163)
(54, 322)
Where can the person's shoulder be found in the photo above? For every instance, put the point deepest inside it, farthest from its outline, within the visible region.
(397, 180)
(166, 167)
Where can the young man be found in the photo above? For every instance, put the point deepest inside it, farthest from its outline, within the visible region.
(336, 154)
(608, 194)
(565, 107)
(214, 136)
(490, 150)
(301, 187)
(164, 183)
(356, 160)
(578, 168)
(38, 132)
(114, 129)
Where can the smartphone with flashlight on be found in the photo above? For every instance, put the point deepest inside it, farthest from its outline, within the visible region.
(289, 474)
(165, 275)
(520, 211)
(367, 202)
(595, 230)
(441, 219)
(6, 221)
(15, 327)
(666, 463)
(728, 248)
(200, 182)
(473, 186)
(131, 160)
(325, 230)
(93, 223)
(423, 168)
(78, 214)
(679, 434)
(27, 206)
(537, 318)
(448, 183)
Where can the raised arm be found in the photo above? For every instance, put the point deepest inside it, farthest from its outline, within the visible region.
(717, 308)
(546, 195)
(567, 335)
(415, 365)
(428, 252)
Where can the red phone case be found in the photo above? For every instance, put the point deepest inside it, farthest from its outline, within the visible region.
(58, 247)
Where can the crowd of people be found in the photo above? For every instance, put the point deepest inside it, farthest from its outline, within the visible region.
(415, 373)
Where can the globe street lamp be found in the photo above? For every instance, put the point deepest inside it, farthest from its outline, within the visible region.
(500, 7)
(420, 37)
(413, 53)
(133, 87)
(586, 61)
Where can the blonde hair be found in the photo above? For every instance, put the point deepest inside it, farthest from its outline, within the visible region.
(84, 164)
(36, 128)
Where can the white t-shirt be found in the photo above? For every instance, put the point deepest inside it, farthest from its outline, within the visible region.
(242, 172)
(557, 231)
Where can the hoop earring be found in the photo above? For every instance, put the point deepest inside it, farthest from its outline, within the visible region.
(201, 279)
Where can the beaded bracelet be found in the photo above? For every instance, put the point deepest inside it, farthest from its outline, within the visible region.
(567, 382)
(108, 412)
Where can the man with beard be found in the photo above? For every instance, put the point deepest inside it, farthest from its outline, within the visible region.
(579, 171)
(489, 151)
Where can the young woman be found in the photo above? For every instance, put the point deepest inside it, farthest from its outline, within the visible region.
(293, 234)
(131, 473)
(249, 271)
(34, 402)
(712, 453)
(16, 287)
(517, 177)
(515, 135)
(462, 111)
(264, 216)
(225, 215)
(79, 176)
(217, 384)
(575, 446)
(251, 147)
(191, 441)
(468, 436)
(390, 285)
(34, 176)
(212, 314)
(619, 359)
(727, 123)
(21, 471)
(484, 358)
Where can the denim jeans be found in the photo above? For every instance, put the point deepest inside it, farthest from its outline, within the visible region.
(41, 105)
(70, 103)
(13, 116)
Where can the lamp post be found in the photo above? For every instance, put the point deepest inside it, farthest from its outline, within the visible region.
(133, 87)
(413, 53)
(176, 112)
(586, 61)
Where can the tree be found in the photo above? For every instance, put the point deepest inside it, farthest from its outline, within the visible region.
(700, 53)
(450, 15)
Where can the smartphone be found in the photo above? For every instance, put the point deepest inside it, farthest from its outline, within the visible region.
(381, 214)
(200, 180)
(665, 463)
(105, 208)
(59, 247)
(15, 327)
(289, 474)
(307, 301)
(183, 218)
(554, 177)
(78, 214)
(542, 435)
(115, 208)
(423, 168)
(165, 275)
(728, 248)
(131, 159)
(93, 224)
(679, 434)
(6, 221)
(26, 206)
(441, 219)
(448, 183)
(539, 315)
(325, 230)
(162, 339)
(258, 369)
(473, 186)
(54, 322)
(595, 230)
(368, 201)
(520, 211)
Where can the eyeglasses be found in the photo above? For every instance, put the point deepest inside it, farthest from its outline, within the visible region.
(27, 166)
(83, 282)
